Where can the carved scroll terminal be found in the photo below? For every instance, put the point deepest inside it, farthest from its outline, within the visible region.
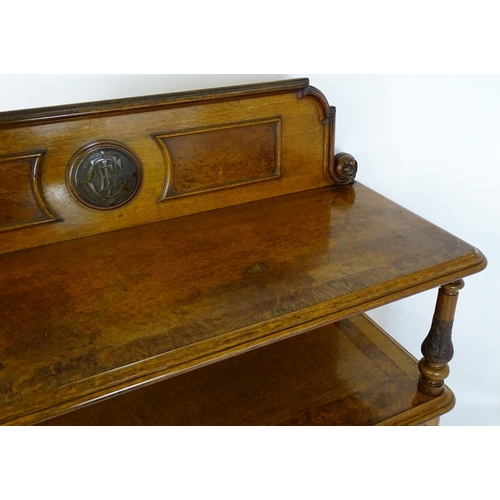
(344, 169)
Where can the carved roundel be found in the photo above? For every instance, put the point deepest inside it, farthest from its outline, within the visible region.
(104, 175)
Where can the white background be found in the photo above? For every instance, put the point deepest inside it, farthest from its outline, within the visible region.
(429, 143)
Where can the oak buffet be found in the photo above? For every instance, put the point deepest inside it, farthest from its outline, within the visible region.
(205, 258)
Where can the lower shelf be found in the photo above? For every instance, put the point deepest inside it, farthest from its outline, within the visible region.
(347, 373)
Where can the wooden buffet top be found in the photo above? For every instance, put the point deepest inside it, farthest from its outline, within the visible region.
(87, 318)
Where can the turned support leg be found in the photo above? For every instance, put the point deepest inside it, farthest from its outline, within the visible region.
(437, 347)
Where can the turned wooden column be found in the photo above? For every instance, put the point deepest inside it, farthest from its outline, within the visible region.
(437, 347)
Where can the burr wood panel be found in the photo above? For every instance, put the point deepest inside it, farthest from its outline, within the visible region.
(21, 198)
(220, 157)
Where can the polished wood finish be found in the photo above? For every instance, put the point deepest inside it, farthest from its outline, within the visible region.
(271, 139)
(221, 157)
(21, 199)
(97, 315)
(345, 373)
(344, 168)
(245, 230)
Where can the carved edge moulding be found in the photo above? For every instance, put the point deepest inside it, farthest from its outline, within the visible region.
(38, 116)
(341, 167)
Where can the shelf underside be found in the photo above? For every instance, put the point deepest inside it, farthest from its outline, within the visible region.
(347, 373)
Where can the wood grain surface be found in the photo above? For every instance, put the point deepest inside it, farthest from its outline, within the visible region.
(145, 238)
(88, 318)
(222, 147)
(346, 373)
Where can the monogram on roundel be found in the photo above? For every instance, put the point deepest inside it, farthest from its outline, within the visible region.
(104, 175)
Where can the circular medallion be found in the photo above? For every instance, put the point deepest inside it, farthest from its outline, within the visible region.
(104, 175)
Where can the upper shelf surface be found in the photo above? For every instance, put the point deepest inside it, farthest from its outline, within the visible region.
(86, 318)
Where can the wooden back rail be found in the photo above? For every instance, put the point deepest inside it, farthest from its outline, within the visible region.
(142, 238)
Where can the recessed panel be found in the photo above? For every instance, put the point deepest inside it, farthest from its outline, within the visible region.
(21, 198)
(221, 156)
